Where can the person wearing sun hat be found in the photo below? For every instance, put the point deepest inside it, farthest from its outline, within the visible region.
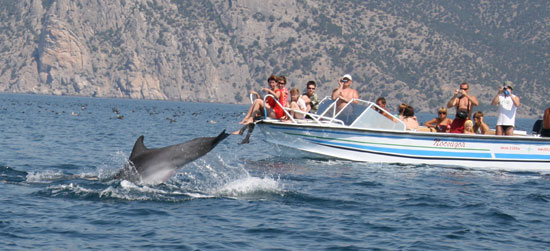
(344, 93)
(508, 104)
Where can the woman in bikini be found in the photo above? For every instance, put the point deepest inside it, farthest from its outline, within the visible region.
(440, 124)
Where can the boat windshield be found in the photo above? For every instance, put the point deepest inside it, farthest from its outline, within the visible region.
(363, 114)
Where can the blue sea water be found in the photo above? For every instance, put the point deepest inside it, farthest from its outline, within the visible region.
(57, 154)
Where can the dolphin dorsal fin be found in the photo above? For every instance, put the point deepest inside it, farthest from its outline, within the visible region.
(139, 147)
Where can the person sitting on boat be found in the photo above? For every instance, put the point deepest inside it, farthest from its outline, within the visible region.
(464, 103)
(409, 118)
(401, 110)
(344, 93)
(508, 104)
(284, 91)
(545, 132)
(273, 109)
(440, 124)
(310, 97)
(381, 101)
(480, 127)
(469, 127)
(297, 104)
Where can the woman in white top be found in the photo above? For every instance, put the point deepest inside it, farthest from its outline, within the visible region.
(507, 105)
(297, 104)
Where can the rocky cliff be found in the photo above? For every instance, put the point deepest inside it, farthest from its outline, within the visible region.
(217, 50)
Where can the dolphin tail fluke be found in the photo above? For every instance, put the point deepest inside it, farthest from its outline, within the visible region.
(220, 137)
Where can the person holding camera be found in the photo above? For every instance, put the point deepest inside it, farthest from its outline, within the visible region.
(508, 104)
(464, 103)
(344, 93)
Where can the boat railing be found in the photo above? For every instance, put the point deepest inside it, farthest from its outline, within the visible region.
(318, 119)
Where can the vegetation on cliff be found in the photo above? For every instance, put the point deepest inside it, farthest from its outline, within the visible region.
(217, 50)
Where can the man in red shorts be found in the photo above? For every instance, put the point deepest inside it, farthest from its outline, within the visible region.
(464, 103)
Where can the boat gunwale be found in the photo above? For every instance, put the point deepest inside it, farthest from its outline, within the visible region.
(514, 139)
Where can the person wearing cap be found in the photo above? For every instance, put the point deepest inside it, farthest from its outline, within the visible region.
(507, 104)
(344, 93)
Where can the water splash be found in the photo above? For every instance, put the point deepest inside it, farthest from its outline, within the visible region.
(251, 187)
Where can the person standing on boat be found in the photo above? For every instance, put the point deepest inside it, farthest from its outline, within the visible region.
(464, 103)
(344, 93)
(508, 104)
(310, 97)
(545, 132)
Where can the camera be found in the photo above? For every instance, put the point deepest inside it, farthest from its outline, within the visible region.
(506, 92)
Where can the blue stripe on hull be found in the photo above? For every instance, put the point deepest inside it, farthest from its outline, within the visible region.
(413, 152)
(388, 135)
(521, 156)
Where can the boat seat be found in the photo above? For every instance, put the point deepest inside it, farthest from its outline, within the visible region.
(424, 129)
(537, 127)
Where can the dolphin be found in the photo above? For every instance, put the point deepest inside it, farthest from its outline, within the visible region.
(154, 166)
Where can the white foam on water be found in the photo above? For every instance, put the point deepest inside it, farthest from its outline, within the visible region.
(140, 188)
(116, 161)
(250, 186)
(70, 187)
(44, 177)
(123, 194)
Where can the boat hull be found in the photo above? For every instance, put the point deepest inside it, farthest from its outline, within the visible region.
(513, 153)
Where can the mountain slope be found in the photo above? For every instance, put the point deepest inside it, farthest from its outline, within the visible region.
(415, 52)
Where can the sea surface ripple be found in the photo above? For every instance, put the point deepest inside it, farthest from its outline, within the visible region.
(58, 154)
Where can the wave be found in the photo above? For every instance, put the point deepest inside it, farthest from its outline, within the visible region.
(202, 179)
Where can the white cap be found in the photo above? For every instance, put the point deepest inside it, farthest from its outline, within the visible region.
(347, 76)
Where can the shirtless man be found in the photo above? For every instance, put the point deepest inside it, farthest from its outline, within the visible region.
(344, 92)
(464, 103)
